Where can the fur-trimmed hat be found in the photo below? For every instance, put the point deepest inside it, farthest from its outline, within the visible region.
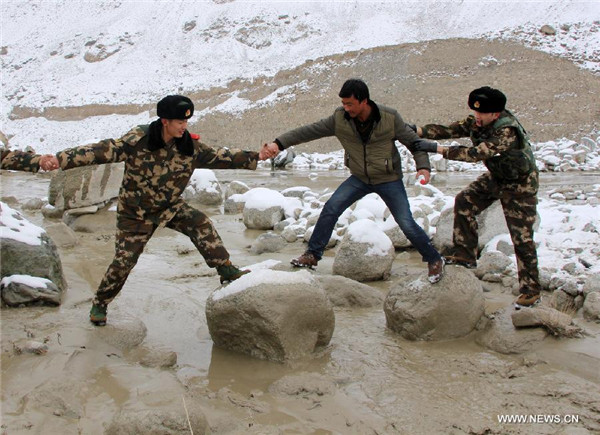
(487, 100)
(175, 107)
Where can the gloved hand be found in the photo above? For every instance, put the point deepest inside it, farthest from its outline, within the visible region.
(413, 127)
(427, 146)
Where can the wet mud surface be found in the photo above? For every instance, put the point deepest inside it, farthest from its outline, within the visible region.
(369, 380)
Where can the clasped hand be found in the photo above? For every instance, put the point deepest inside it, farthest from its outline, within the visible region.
(268, 151)
(49, 162)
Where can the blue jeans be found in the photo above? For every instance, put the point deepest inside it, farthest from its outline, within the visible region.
(394, 196)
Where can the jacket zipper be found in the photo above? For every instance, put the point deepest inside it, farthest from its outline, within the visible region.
(365, 150)
(364, 146)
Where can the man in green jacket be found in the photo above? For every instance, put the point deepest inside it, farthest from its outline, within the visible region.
(502, 144)
(368, 133)
(160, 159)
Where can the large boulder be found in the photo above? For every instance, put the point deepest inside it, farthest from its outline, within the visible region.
(365, 254)
(87, 185)
(500, 335)
(272, 315)
(419, 310)
(345, 292)
(26, 249)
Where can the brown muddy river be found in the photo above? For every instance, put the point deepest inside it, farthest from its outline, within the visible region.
(382, 382)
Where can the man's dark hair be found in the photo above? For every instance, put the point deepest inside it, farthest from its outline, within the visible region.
(355, 88)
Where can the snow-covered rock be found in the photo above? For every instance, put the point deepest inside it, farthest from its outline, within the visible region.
(274, 315)
(365, 254)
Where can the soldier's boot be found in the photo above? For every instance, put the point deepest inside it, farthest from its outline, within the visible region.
(228, 272)
(459, 261)
(307, 259)
(98, 314)
(527, 300)
(436, 270)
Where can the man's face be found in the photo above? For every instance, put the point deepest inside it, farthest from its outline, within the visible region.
(485, 119)
(175, 127)
(353, 107)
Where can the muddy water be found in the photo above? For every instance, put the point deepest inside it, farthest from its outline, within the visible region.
(383, 383)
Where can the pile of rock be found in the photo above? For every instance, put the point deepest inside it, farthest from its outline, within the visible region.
(567, 155)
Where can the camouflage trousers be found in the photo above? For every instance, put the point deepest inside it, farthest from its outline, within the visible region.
(129, 246)
(519, 202)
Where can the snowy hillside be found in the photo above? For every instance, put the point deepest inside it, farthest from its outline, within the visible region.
(68, 53)
(59, 53)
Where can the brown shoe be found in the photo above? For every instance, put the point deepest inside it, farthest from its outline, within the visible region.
(527, 300)
(307, 259)
(436, 270)
(459, 261)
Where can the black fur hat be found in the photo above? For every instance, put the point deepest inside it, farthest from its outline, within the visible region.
(487, 100)
(175, 107)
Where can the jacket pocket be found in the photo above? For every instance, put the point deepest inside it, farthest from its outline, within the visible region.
(379, 167)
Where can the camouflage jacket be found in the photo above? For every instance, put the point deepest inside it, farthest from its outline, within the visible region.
(503, 146)
(19, 160)
(375, 161)
(153, 181)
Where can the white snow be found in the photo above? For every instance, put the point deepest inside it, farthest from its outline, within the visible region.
(14, 226)
(374, 204)
(256, 279)
(204, 180)
(28, 280)
(367, 231)
(261, 198)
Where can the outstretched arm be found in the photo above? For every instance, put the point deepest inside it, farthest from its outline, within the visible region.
(225, 158)
(27, 161)
(452, 131)
(317, 130)
(105, 151)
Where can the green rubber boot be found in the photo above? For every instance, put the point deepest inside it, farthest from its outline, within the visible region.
(228, 272)
(98, 315)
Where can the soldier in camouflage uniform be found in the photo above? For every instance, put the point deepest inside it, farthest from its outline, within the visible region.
(159, 161)
(502, 144)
